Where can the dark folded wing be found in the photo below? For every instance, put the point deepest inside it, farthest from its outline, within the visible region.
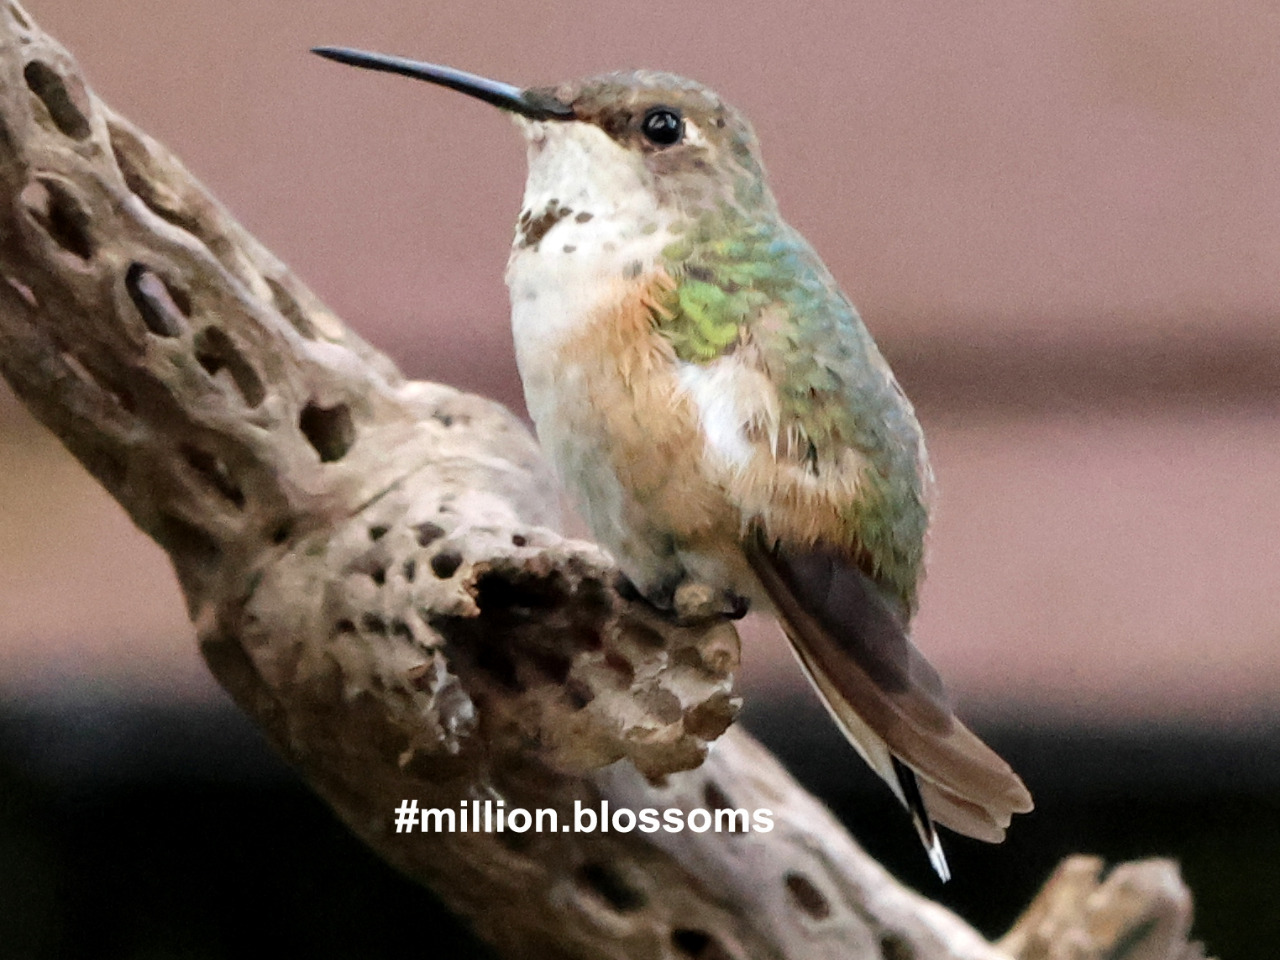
(887, 698)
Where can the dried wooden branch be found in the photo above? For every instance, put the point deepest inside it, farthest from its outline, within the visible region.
(374, 575)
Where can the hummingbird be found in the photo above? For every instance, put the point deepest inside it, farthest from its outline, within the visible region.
(720, 414)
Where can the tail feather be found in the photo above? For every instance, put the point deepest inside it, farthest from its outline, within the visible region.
(886, 697)
(920, 818)
(964, 816)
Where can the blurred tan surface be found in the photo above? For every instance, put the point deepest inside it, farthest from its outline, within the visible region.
(1062, 220)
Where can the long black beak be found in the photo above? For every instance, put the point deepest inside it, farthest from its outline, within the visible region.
(534, 104)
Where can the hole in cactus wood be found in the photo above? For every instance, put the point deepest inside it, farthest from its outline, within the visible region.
(514, 841)
(610, 886)
(428, 533)
(215, 352)
(329, 430)
(186, 540)
(161, 306)
(132, 157)
(52, 90)
(551, 664)
(86, 376)
(59, 214)
(446, 563)
(290, 310)
(215, 471)
(807, 897)
(578, 693)
(894, 946)
(698, 944)
(714, 797)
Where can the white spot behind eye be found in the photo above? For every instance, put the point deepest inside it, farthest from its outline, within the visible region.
(693, 135)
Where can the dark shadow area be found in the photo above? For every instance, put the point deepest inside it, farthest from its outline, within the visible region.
(1210, 800)
(132, 831)
(140, 832)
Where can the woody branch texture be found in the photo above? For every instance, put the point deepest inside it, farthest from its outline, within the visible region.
(373, 570)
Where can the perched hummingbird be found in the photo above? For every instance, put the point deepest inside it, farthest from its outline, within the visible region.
(724, 420)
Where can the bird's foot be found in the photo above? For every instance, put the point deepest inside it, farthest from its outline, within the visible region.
(688, 602)
(696, 602)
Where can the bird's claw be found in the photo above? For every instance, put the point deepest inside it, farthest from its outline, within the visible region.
(687, 603)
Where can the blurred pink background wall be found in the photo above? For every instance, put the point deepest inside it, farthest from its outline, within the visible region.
(1061, 219)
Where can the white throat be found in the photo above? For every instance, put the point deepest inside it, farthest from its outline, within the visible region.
(589, 223)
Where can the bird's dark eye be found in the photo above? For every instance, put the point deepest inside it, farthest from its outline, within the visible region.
(662, 126)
